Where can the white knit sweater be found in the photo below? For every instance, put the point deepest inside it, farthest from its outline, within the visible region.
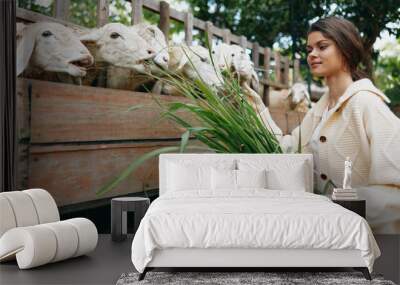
(361, 127)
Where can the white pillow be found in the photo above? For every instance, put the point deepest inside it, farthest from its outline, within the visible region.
(223, 179)
(283, 172)
(251, 178)
(293, 178)
(227, 179)
(183, 177)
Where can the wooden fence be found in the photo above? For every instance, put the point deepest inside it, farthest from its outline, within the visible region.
(74, 139)
(273, 60)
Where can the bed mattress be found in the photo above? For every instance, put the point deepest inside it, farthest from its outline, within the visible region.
(250, 219)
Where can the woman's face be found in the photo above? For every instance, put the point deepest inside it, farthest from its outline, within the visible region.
(323, 56)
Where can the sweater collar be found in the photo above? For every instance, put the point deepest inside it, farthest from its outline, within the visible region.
(357, 86)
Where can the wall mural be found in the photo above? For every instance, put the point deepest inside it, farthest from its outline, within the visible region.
(97, 105)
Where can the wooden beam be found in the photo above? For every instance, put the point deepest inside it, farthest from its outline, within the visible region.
(243, 42)
(267, 58)
(209, 32)
(85, 169)
(296, 71)
(278, 73)
(286, 66)
(33, 17)
(164, 19)
(102, 12)
(66, 113)
(61, 9)
(226, 36)
(137, 12)
(256, 54)
(188, 28)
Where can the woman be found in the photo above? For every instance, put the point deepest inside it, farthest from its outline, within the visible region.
(351, 120)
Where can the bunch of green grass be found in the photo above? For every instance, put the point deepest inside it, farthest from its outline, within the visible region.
(225, 122)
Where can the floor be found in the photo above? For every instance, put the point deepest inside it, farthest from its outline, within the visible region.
(103, 266)
(111, 259)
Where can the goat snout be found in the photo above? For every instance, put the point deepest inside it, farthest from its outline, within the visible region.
(87, 61)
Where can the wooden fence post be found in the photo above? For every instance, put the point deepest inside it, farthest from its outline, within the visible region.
(61, 9)
(256, 54)
(164, 19)
(267, 58)
(102, 12)
(209, 32)
(286, 71)
(137, 12)
(188, 28)
(243, 42)
(278, 73)
(296, 71)
(226, 36)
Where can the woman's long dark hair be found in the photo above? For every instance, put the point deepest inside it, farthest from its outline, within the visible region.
(348, 40)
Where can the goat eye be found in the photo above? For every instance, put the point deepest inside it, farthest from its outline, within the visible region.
(213, 52)
(203, 59)
(47, 34)
(115, 35)
(233, 54)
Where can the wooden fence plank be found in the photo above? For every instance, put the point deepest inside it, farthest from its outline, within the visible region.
(209, 32)
(102, 12)
(267, 61)
(31, 17)
(278, 72)
(296, 71)
(23, 134)
(256, 54)
(74, 176)
(61, 9)
(226, 37)
(70, 113)
(188, 28)
(243, 42)
(286, 66)
(164, 18)
(137, 12)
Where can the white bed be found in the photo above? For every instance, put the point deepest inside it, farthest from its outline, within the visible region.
(197, 224)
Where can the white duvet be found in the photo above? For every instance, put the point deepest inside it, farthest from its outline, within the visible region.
(252, 218)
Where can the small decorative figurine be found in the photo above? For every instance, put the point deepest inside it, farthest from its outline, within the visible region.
(347, 174)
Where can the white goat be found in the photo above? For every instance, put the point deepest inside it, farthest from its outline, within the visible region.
(157, 41)
(124, 78)
(192, 62)
(118, 45)
(234, 58)
(50, 47)
(293, 99)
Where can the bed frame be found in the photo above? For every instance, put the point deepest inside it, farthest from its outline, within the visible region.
(250, 258)
(246, 259)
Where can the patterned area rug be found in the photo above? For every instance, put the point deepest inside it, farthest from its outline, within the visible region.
(242, 278)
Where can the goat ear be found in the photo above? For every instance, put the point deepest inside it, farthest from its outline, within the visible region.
(25, 49)
(92, 36)
(255, 83)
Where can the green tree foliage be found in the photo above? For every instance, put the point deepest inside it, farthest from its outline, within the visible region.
(37, 6)
(287, 22)
(388, 73)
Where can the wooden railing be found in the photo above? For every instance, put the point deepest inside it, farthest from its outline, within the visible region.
(273, 60)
